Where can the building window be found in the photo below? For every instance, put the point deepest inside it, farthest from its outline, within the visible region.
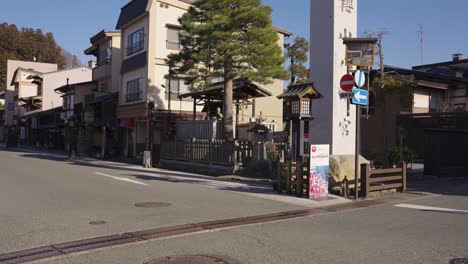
(133, 90)
(177, 86)
(173, 41)
(105, 56)
(102, 87)
(136, 42)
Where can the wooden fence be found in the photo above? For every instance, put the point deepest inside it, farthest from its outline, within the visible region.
(217, 152)
(384, 179)
(200, 129)
(293, 178)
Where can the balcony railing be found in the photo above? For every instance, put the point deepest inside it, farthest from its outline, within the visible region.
(135, 47)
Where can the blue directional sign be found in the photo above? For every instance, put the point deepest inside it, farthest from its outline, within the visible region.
(360, 96)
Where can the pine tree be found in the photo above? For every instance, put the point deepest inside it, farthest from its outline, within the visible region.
(229, 39)
(297, 54)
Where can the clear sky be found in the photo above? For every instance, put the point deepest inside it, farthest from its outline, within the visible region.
(444, 23)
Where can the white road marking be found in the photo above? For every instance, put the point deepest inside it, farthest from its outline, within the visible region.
(121, 179)
(430, 208)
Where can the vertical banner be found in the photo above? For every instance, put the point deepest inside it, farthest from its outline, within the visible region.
(319, 170)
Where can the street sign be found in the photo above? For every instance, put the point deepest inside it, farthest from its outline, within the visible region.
(347, 82)
(359, 78)
(360, 96)
(346, 95)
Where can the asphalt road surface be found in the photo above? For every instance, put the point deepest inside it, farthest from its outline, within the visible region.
(46, 200)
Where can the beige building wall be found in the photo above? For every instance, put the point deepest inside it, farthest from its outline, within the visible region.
(82, 90)
(53, 80)
(116, 63)
(12, 66)
(138, 73)
(163, 13)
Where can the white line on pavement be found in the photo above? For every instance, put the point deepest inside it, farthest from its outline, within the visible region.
(121, 179)
(430, 208)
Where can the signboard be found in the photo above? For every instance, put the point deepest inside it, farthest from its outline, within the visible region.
(359, 54)
(346, 95)
(347, 82)
(359, 78)
(281, 137)
(319, 170)
(360, 97)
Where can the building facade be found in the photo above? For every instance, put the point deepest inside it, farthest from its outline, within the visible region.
(33, 105)
(150, 32)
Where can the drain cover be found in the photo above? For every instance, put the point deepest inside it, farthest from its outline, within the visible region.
(459, 261)
(97, 222)
(187, 260)
(152, 205)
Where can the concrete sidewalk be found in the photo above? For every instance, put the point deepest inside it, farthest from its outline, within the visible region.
(260, 188)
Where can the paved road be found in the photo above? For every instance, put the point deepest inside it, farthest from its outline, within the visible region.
(45, 200)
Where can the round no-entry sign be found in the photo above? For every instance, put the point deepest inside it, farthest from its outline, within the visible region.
(347, 82)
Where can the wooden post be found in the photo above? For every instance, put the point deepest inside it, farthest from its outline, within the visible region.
(237, 120)
(307, 177)
(278, 173)
(299, 178)
(404, 176)
(288, 177)
(365, 184)
(194, 116)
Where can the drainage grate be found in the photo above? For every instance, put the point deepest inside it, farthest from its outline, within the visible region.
(94, 243)
(189, 259)
(152, 205)
(459, 261)
(127, 238)
(97, 222)
(29, 255)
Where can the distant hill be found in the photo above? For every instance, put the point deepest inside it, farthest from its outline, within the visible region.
(29, 44)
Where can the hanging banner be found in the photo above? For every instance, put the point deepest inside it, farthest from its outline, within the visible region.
(319, 170)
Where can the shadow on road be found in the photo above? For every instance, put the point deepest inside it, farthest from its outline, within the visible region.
(443, 186)
(163, 175)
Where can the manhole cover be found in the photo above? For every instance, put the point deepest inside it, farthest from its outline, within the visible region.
(459, 261)
(97, 222)
(187, 260)
(152, 205)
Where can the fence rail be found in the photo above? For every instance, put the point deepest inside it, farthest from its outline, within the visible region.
(385, 179)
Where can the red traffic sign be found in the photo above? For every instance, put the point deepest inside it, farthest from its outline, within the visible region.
(347, 82)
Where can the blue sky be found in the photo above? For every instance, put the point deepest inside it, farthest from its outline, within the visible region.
(74, 22)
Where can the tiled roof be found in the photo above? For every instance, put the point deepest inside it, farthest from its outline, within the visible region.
(131, 11)
(300, 91)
